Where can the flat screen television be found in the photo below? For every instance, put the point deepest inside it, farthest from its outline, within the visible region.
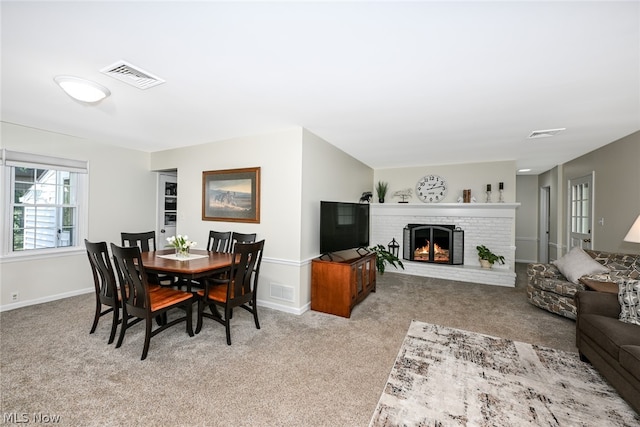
(343, 226)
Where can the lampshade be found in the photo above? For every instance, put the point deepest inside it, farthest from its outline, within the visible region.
(81, 89)
(634, 232)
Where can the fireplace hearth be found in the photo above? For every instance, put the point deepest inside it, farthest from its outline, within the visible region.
(440, 244)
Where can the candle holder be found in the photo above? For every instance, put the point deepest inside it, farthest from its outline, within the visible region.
(501, 198)
(488, 196)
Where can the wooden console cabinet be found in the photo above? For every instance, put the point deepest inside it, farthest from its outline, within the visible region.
(338, 285)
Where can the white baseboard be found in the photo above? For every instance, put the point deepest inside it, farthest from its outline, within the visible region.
(36, 301)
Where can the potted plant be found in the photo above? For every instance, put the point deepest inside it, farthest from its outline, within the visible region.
(382, 188)
(488, 258)
(383, 256)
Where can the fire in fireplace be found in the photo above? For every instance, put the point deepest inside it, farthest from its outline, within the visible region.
(443, 244)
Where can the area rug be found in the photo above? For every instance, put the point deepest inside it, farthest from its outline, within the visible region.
(450, 377)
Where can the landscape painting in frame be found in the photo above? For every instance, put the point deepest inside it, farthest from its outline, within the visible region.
(231, 195)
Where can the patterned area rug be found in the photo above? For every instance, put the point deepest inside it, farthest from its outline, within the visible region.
(449, 377)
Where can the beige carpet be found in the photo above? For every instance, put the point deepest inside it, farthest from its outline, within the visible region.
(308, 370)
(451, 377)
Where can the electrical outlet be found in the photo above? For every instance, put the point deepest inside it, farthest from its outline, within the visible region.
(14, 296)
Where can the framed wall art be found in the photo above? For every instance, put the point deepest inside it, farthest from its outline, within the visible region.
(231, 195)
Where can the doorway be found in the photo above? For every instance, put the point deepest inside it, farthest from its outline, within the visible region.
(545, 224)
(580, 212)
(167, 206)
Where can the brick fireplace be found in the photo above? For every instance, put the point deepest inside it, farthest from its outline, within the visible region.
(490, 224)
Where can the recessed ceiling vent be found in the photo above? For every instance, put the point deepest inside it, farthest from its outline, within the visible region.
(132, 75)
(545, 133)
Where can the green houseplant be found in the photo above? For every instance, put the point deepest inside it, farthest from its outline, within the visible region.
(383, 256)
(488, 257)
(382, 188)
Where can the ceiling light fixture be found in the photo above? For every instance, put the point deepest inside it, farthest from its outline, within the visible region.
(524, 170)
(81, 89)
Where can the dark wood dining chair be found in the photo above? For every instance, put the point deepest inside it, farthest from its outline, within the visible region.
(106, 287)
(219, 241)
(146, 241)
(141, 303)
(242, 238)
(239, 289)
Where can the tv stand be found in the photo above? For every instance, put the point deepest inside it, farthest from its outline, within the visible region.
(337, 286)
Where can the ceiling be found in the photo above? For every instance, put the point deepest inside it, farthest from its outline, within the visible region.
(394, 84)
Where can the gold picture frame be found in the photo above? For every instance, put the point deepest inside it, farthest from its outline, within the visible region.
(231, 195)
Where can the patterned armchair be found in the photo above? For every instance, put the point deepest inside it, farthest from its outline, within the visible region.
(547, 288)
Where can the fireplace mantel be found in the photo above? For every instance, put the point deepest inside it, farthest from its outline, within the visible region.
(491, 224)
(447, 209)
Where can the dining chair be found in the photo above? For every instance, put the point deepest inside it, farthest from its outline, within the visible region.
(239, 289)
(139, 302)
(106, 288)
(242, 238)
(219, 241)
(146, 241)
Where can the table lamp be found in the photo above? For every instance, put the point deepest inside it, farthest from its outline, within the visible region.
(634, 232)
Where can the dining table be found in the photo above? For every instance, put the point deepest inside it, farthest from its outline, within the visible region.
(199, 263)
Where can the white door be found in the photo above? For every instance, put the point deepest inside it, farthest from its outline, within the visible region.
(580, 217)
(544, 226)
(167, 207)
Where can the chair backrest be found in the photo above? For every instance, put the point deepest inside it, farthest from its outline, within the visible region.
(245, 269)
(104, 277)
(145, 241)
(241, 238)
(133, 280)
(219, 241)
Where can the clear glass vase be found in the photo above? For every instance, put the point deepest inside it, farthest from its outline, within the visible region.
(182, 253)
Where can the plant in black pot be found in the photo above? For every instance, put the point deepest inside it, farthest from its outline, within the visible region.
(488, 258)
(383, 257)
(382, 188)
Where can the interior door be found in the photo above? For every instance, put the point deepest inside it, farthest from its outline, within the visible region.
(167, 207)
(580, 216)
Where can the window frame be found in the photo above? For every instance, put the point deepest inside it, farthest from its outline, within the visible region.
(10, 159)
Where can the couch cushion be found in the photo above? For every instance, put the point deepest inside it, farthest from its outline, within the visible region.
(629, 298)
(630, 359)
(577, 263)
(609, 332)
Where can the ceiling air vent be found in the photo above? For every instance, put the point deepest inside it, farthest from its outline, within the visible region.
(132, 75)
(545, 133)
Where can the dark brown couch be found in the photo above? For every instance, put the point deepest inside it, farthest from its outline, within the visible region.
(612, 346)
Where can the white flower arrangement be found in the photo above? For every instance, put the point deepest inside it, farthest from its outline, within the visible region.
(181, 243)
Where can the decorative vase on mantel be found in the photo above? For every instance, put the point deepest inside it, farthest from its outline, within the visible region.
(382, 188)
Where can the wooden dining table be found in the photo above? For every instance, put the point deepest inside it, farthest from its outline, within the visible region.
(200, 264)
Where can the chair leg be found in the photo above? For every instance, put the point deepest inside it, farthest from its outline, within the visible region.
(147, 337)
(188, 308)
(200, 311)
(123, 328)
(114, 324)
(96, 317)
(254, 310)
(227, 324)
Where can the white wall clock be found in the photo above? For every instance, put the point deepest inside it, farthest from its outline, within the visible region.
(431, 188)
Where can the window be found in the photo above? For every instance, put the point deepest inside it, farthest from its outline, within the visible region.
(46, 203)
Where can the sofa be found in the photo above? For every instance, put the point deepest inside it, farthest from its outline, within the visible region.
(609, 344)
(553, 286)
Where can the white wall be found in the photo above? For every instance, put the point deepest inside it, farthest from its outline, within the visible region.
(474, 176)
(121, 198)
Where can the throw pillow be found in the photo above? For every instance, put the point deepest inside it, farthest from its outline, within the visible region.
(577, 263)
(629, 298)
